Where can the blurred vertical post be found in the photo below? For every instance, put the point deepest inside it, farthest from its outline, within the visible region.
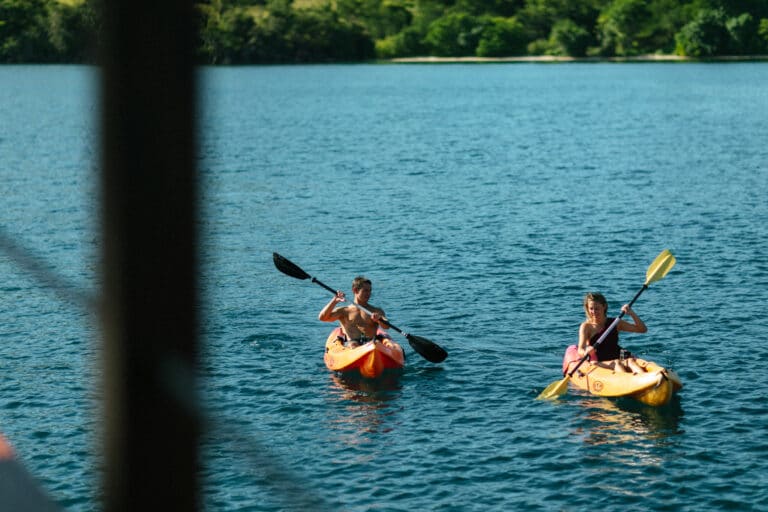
(149, 299)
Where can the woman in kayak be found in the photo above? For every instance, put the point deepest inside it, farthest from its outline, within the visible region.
(609, 353)
(358, 326)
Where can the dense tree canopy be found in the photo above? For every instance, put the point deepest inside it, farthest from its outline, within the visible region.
(47, 31)
(286, 31)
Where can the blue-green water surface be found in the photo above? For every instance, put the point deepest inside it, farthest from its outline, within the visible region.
(483, 201)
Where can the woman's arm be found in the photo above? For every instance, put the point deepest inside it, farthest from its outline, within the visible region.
(583, 345)
(637, 325)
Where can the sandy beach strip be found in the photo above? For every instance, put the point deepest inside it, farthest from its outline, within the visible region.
(557, 59)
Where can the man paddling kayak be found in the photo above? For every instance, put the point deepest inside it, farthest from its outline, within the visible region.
(609, 353)
(359, 327)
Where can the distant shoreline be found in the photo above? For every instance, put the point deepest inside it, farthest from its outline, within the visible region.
(557, 59)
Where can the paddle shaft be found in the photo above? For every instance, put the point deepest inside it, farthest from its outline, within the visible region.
(607, 331)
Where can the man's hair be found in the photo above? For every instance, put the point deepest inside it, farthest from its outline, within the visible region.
(359, 281)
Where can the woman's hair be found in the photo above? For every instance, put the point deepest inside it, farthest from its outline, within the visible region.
(595, 297)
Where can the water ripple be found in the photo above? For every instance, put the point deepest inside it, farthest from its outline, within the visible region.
(482, 201)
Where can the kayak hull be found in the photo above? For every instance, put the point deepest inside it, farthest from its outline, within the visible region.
(654, 387)
(369, 360)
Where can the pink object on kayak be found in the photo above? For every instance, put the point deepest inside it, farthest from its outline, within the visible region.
(572, 356)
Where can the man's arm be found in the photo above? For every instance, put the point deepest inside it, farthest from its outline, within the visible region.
(329, 313)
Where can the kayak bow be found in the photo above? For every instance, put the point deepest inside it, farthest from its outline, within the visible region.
(370, 359)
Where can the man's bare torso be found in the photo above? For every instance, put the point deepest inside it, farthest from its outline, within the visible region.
(357, 323)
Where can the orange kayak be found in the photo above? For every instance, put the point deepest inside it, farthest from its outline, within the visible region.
(655, 386)
(369, 359)
(18, 489)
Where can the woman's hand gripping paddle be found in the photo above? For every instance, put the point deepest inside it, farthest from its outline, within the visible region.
(429, 350)
(658, 269)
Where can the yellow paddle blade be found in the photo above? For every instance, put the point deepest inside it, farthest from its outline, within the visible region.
(660, 266)
(554, 390)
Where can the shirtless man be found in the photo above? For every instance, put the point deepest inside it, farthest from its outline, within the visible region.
(358, 326)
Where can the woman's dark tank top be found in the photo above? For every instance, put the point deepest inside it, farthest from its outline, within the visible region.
(609, 348)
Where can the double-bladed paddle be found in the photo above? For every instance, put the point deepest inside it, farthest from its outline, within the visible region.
(658, 269)
(429, 350)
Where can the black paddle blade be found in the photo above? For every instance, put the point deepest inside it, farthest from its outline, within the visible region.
(289, 268)
(432, 352)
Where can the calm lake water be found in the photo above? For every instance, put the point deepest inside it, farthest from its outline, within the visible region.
(483, 201)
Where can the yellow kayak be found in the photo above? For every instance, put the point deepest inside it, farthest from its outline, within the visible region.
(654, 387)
(369, 359)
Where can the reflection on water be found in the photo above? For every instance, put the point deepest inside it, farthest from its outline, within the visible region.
(365, 405)
(631, 438)
(606, 421)
(355, 387)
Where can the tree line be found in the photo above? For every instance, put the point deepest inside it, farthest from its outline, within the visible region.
(294, 31)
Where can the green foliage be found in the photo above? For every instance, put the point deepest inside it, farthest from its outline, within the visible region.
(24, 31)
(408, 43)
(541, 47)
(734, 8)
(621, 27)
(427, 11)
(279, 34)
(227, 36)
(744, 35)
(666, 18)
(276, 31)
(46, 31)
(540, 16)
(382, 18)
(713, 33)
(568, 38)
(318, 35)
(72, 31)
(762, 33)
(494, 8)
(705, 36)
(454, 35)
(501, 37)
